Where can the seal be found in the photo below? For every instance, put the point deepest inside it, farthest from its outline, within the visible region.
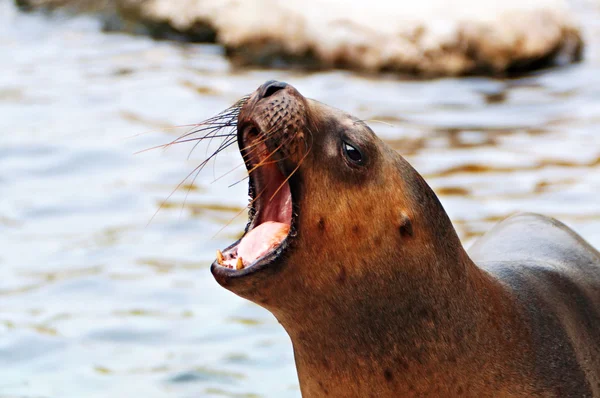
(353, 253)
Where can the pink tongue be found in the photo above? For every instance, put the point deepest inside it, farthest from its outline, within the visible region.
(262, 239)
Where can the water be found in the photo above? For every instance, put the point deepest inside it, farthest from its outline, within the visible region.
(99, 298)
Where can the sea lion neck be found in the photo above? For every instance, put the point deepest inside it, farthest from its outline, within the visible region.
(411, 340)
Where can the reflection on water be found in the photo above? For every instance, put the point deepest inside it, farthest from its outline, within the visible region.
(99, 297)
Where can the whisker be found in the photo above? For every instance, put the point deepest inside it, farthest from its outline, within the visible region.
(211, 137)
(291, 174)
(226, 118)
(179, 142)
(224, 144)
(378, 121)
(226, 174)
(171, 194)
(255, 144)
(230, 140)
(162, 129)
(210, 129)
(238, 214)
(237, 182)
(213, 129)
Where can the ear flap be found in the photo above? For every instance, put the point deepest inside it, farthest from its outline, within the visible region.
(405, 228)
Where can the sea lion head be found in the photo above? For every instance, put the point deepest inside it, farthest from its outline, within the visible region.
(335, 213)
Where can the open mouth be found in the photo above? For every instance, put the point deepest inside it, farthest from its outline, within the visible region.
(270, 209)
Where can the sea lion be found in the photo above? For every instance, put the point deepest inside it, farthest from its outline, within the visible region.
(353, 253)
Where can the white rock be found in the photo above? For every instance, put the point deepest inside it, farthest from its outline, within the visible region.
(431, 37)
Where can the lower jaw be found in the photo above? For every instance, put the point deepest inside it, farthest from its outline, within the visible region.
(243, 256)
(226, 275)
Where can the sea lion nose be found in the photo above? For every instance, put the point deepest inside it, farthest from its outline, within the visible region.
(270, 88)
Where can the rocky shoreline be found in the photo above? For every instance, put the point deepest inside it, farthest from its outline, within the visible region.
(468, 37)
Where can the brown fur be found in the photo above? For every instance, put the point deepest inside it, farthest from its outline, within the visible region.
(377, 293)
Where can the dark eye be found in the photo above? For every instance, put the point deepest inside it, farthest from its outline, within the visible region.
(352, 153)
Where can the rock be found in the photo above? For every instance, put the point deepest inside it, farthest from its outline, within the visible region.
(71, 5)
(428, 37)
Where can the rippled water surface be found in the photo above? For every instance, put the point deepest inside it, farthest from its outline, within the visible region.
(98, 298)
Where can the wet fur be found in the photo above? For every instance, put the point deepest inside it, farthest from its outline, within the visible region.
(555, 276)
(381, 300)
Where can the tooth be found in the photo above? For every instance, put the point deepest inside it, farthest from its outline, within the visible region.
(240, 263)
(220, 258)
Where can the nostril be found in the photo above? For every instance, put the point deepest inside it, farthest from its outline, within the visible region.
(272, 87)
